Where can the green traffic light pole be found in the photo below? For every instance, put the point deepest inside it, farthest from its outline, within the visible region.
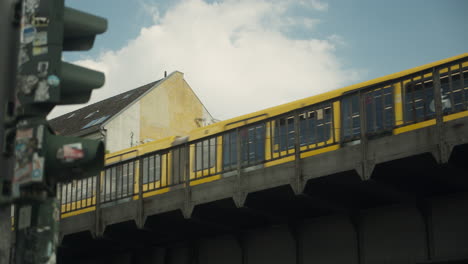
(41, 158)
(9, 36)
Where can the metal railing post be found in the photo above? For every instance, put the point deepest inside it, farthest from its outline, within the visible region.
(97, 215)
(141, 211)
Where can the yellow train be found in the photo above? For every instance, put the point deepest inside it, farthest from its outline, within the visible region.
(385, 106)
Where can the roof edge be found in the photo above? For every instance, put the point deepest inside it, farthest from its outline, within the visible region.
(139, 97)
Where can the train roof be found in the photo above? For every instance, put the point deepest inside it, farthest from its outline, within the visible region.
(284, 108)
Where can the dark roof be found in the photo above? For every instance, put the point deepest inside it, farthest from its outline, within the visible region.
(89, 118)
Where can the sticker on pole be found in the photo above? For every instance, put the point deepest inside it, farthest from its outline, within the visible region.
(70, 152)
(29, 166)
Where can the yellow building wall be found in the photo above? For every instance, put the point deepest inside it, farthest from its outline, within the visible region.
(171, 109)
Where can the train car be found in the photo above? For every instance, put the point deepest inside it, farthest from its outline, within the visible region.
(385, 106)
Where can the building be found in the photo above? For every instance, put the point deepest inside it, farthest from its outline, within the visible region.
(167, 107)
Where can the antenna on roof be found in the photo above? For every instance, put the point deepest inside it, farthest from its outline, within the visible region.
(165, 74)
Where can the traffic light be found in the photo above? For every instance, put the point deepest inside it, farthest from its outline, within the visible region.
(41, 158)
(44, 81)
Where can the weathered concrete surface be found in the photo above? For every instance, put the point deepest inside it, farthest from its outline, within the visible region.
(392, 203)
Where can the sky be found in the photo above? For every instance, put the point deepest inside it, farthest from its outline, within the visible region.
(247, 55)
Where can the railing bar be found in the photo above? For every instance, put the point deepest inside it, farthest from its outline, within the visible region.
(167, 169)
(159, 157)
(374, 112)
(66, 197)
(114, 178)
(403, 99)
(86, 192)
(202, 156)
(424, 92)
(413, 106)
(107, 184)
(280, 141)
(324, 127)
(102, 190)
(92, 189)
(151, 176)
(179, 166)
(172, 165)
(227, 159)
(121, 175)
(82, 189)
(382, 95)
(351, 128)
(452, 103)
(111, 183)
(271, 139)
(332, 122)
(307, 129)
(195, 153)
(209, 156)
(216, 154)
(255, 145)
(462, 84)
(316, 121)
(128, 178)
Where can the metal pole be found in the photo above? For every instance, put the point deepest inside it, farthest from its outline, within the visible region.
(9, 38)
(37, 226)
(5, 230)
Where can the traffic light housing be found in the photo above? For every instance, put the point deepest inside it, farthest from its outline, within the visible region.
(43, 81)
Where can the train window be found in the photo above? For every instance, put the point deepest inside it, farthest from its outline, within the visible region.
(253, 144)
(178, 165)
(77, 190)
(230, 150)
(284, 133)
(418, 97)
(151, 168)
(351, 117)
(127, 172)
(379, 110)
(205, 154)
(118, 181)
(454, 92)
(315, 125)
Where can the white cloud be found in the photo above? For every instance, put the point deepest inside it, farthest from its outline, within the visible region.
(234, 55)
(315, 4)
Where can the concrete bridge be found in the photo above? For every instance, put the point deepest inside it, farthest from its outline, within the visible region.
(394, 199)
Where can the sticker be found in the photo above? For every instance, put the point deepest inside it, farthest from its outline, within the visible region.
(41, 21)
(38, 162)
(24, 217)
(70, 152)
(42, 92)
(39, 51)
(27, 83)
(24, 133)
(30, 6)
(28, 34)
(29, 167)
(53, 80)
(23, 57)
(42, 68)
(40, 38)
